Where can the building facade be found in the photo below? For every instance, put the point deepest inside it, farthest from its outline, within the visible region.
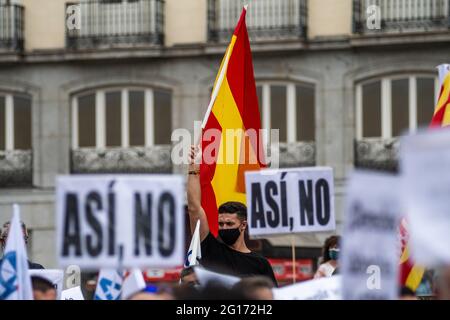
(103, 93)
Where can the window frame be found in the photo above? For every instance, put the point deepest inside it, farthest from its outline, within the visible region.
(386, 101)
(9, 119)
(100, 112)
(291, 106)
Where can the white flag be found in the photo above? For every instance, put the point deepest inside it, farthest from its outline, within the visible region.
(443, 69)
(15, 281)
(194, 253)
(74, 293)
(109, 285)
(132, 284)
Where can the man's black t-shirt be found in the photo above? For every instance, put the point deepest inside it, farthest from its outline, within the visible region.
(218, 257)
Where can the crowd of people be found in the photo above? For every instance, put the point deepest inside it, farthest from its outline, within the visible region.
(252, 286)
(228, 254)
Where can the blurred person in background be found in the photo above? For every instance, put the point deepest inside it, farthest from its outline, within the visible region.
(153, 292)
(188, 277)
(442, 283)
(330, 257)
(4, 238)
(43, 289)
(407, 293)
(212, 290)
(255, 288)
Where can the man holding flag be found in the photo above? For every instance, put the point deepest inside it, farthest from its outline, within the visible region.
(216, 189)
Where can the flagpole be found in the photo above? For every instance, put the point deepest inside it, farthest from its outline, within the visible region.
(218, 84)
(294, 268)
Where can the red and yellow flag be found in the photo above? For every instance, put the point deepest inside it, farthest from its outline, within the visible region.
(410, 273)
(441, 117)
(227, 151)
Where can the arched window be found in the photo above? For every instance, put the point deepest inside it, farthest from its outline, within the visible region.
(15, 122)
(16, 165)
(288, 107)
(388, 106)
(121, 118)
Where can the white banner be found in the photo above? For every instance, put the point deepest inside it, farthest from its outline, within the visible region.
(55, 276)
(74, 293)
(290, 201)
(318, 289)
(370, 245)
(425, 164)
(120, 221)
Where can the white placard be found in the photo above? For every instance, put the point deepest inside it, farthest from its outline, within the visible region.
(370, 246)
(425, 165)
(317, 289)
(120, 221)
(290, 201)
(55, 276)
(72, 294)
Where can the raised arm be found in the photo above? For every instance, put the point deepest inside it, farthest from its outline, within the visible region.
(194, 196)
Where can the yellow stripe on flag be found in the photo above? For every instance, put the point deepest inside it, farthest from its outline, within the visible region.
(444, 94)
(226, 173)
(415, 277)
(405, 255)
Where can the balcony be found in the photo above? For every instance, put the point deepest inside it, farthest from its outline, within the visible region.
(154, 159)
(297, 154)
(377, 154)
(116, 23)
(16, 168)
(11, 27)
(401, 16)
(266, 19)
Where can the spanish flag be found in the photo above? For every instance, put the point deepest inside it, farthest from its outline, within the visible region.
(231, 138)
(410, 273)
(441, 117)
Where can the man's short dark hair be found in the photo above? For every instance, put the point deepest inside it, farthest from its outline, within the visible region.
(247, 286)
(186, 271)
(6, 225)
(234, 207)
(406, 291)
(41, 284)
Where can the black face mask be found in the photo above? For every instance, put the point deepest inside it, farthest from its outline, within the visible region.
(229, 236)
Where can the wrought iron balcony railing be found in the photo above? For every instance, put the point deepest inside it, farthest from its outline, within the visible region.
(297, 154)
(154, 159)
(377, 154)
(115, 23)
(16, 168)
(266, 19)
(400, 15)
(11, 27)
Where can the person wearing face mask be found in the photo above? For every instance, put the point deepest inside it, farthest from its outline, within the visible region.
(230, 255)
(330, 258)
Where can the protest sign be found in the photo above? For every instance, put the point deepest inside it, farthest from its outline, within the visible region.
(370, 257)
(290, 201)
(120, 221)
(55, 276)
(72, 294)
(317, 289)
(425, 165)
